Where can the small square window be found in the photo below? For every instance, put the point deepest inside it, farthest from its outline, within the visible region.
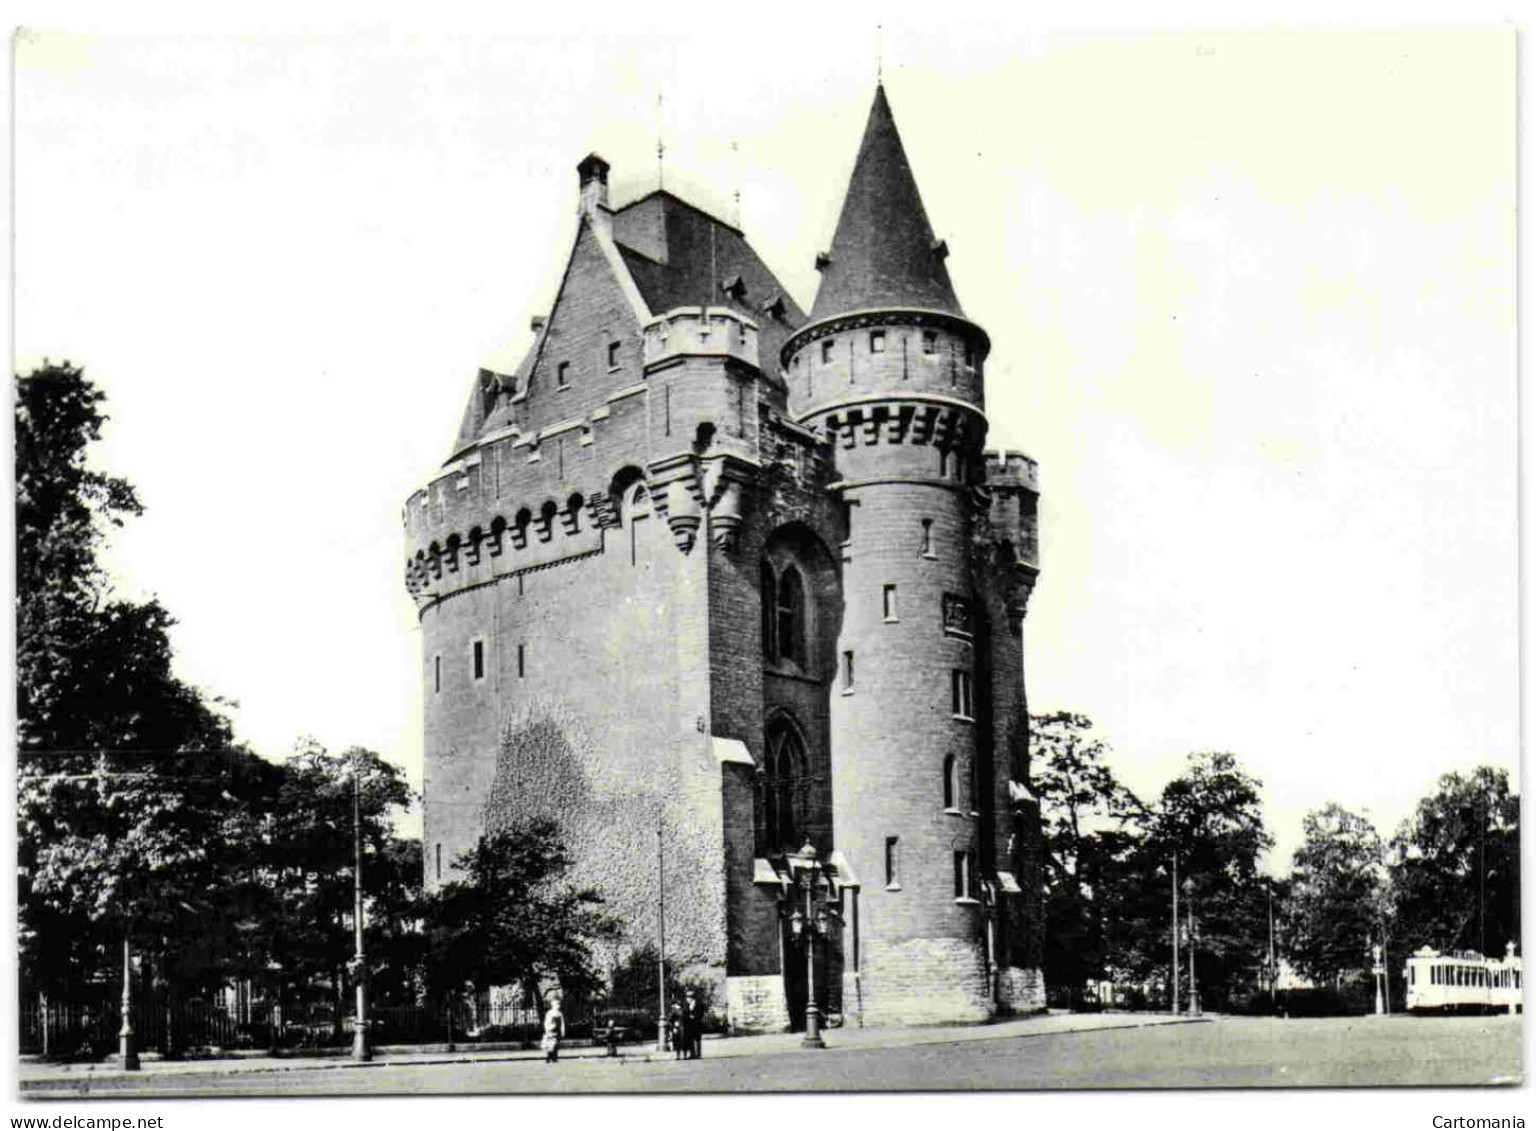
(847, 673)
(826, 351)
(930, 343)
(563, 375)
(479, 660)
(892, 862)
(889, 602)
(613, 355)
(877, 341)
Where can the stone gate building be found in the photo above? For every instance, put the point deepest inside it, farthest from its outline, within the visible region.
(710, 569)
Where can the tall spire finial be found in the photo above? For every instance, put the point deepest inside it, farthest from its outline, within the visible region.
(736, 177)
(661, 148)
(879, 57)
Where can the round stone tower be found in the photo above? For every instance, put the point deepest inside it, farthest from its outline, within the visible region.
(891, 369)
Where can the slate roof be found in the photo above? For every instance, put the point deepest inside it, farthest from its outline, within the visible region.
(680, 255)
(884, 254)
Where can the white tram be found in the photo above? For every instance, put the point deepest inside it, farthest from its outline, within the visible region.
(1465, 982)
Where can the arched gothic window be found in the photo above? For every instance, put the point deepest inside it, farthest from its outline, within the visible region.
(783, 789)
(790, 617)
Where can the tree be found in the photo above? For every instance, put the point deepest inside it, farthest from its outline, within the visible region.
(1335, 899)
(308, 857)
(514, 919)
(127, 776)
(1211, 820)
(1089, 824)
(1455, 866)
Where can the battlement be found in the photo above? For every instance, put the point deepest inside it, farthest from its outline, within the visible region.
(694, 331)
(1005, 469)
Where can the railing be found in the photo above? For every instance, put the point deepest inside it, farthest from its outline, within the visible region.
(89, 1029)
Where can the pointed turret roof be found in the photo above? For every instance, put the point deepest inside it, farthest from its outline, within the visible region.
(884, 254)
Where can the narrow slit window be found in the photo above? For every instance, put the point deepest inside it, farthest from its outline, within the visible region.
(439, 860)
(613, 355)
(930, 343)
(437, 675)
(479, 659)
(889, 602)
(960, 693)
(563, 375)
(949, 781)
(521, 660)
(847, 671)
(927, 537)
(963, 875)
(826, 351)
(892, 862)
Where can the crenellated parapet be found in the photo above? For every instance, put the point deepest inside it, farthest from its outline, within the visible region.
(1012, 491)
(694, 331)
(917, 419)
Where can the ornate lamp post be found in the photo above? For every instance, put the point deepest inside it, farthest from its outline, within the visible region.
(127, 1049)
(804, 927)
(1194, 988)
(359, 963)
(1377, 976)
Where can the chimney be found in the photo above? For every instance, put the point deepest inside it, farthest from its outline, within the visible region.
(593, 172)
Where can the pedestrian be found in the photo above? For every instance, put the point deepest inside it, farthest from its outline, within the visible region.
(694, 1013)
(677, 1031)
(554, 1031)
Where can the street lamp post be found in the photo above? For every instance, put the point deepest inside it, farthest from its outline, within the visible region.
(359, 963)
(1377, 971)
(1173, 998)
(804, 927)
(661, 940)
(1194, 988)
(127, 1050)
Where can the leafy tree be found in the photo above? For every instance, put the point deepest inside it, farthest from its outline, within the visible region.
(514, 919)
(1089, 823)
(1211, 820)
(308, 857)
(1455, 866)
(1335, 900)
(127, 776)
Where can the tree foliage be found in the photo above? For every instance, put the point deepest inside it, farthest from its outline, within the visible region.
(514, 918)
(1336, 897)
(1455, 866)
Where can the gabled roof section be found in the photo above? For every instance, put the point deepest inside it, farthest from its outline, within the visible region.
(884, 254)
(680, 255)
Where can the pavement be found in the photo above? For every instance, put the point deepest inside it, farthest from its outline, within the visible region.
(40, 1078)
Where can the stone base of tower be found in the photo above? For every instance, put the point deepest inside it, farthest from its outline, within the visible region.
(1020, 990)
(756, 1004)
(919, 982)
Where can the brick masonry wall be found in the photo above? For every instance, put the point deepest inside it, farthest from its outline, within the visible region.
(614, 661)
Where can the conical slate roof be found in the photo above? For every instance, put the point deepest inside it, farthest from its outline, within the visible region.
(884, 254)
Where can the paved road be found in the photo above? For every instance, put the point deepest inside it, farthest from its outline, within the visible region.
(1228, 1053)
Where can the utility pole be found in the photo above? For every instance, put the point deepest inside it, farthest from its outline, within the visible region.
(1269, 893)
(1173, 1004)
(661, 940)
(360, 1049)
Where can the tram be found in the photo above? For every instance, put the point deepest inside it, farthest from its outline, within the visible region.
(1463, 982)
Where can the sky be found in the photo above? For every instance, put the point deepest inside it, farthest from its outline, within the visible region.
(1251, 296)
